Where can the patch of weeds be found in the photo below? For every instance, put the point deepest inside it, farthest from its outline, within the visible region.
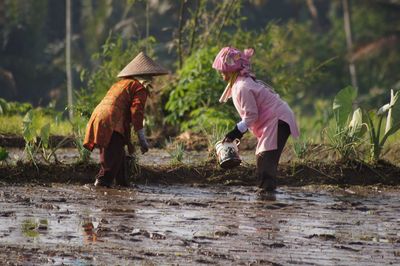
(214, 135)
(302, 148)
(37, 140)
(3, 154)
(177, 152)
(133, 166)
(346, 134)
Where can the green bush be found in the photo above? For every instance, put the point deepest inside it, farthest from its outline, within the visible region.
(193, 99)
(13, 108)
(281, 58)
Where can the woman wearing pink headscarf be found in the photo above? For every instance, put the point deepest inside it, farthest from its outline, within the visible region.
(261, 109)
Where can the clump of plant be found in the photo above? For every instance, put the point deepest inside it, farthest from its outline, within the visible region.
(302, 148)
(348, 128)
(3, 154)
(177, 152)
(133, 166)
(37, 140)
(378, 137)
(213, 135)
(193, 99)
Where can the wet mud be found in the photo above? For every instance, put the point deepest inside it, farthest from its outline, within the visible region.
(181, 224)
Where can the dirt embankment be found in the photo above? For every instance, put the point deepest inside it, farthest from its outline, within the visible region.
(291, 174)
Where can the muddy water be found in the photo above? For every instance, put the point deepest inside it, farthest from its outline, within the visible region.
(81, 225)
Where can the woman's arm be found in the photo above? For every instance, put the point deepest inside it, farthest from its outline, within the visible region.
(137, 116)
(137, 108)
(248, 109)
(247, 106)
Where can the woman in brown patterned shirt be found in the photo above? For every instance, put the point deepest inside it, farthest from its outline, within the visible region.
(109, 127)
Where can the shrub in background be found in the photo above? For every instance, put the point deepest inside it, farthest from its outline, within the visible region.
(193, 98)
(348, 128)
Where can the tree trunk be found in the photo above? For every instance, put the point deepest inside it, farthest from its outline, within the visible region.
(68, 57)
(349, 41)
(2, 14)
(180, 28)
(314, 13)
(147, 26)
(313, 10)
(194, 27)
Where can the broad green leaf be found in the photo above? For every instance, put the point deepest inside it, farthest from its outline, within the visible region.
(27, 131)
(343, 105)
(45, 135)
(28, 117)
(356, 125)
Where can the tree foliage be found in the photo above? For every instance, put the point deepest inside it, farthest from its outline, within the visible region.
(193, 100)
(301, 52)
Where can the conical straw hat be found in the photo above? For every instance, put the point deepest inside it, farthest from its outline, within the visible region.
(142, 65)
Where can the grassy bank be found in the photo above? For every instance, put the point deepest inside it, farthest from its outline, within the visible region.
(12, 125)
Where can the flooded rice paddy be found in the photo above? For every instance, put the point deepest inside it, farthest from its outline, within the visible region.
(145, 225)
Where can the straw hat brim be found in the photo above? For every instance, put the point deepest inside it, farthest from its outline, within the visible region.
(142, 65)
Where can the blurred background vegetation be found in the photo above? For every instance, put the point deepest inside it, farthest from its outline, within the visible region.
(300, 48)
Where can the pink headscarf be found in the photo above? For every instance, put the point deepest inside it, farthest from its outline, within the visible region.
(230, 59)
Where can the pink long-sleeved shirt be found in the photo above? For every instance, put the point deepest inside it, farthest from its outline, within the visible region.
(260, 109)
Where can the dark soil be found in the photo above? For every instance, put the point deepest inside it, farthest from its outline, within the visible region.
(290, 174)
(191, 141)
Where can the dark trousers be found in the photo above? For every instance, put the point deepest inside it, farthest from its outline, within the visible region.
(267, 161)
(112, 161)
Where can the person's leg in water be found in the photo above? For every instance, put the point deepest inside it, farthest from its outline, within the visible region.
(121, 179)
(112, 159)
(267, 162)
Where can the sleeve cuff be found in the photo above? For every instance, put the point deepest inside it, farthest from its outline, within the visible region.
(242, 126)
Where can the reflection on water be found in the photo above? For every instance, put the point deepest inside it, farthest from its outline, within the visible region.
(89, 232)
(34, 227)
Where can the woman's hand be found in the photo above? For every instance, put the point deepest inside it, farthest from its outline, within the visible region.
(144, 146)
(232, 135)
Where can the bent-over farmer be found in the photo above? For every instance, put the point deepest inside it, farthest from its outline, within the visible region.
(109, 127)
(261, 109)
